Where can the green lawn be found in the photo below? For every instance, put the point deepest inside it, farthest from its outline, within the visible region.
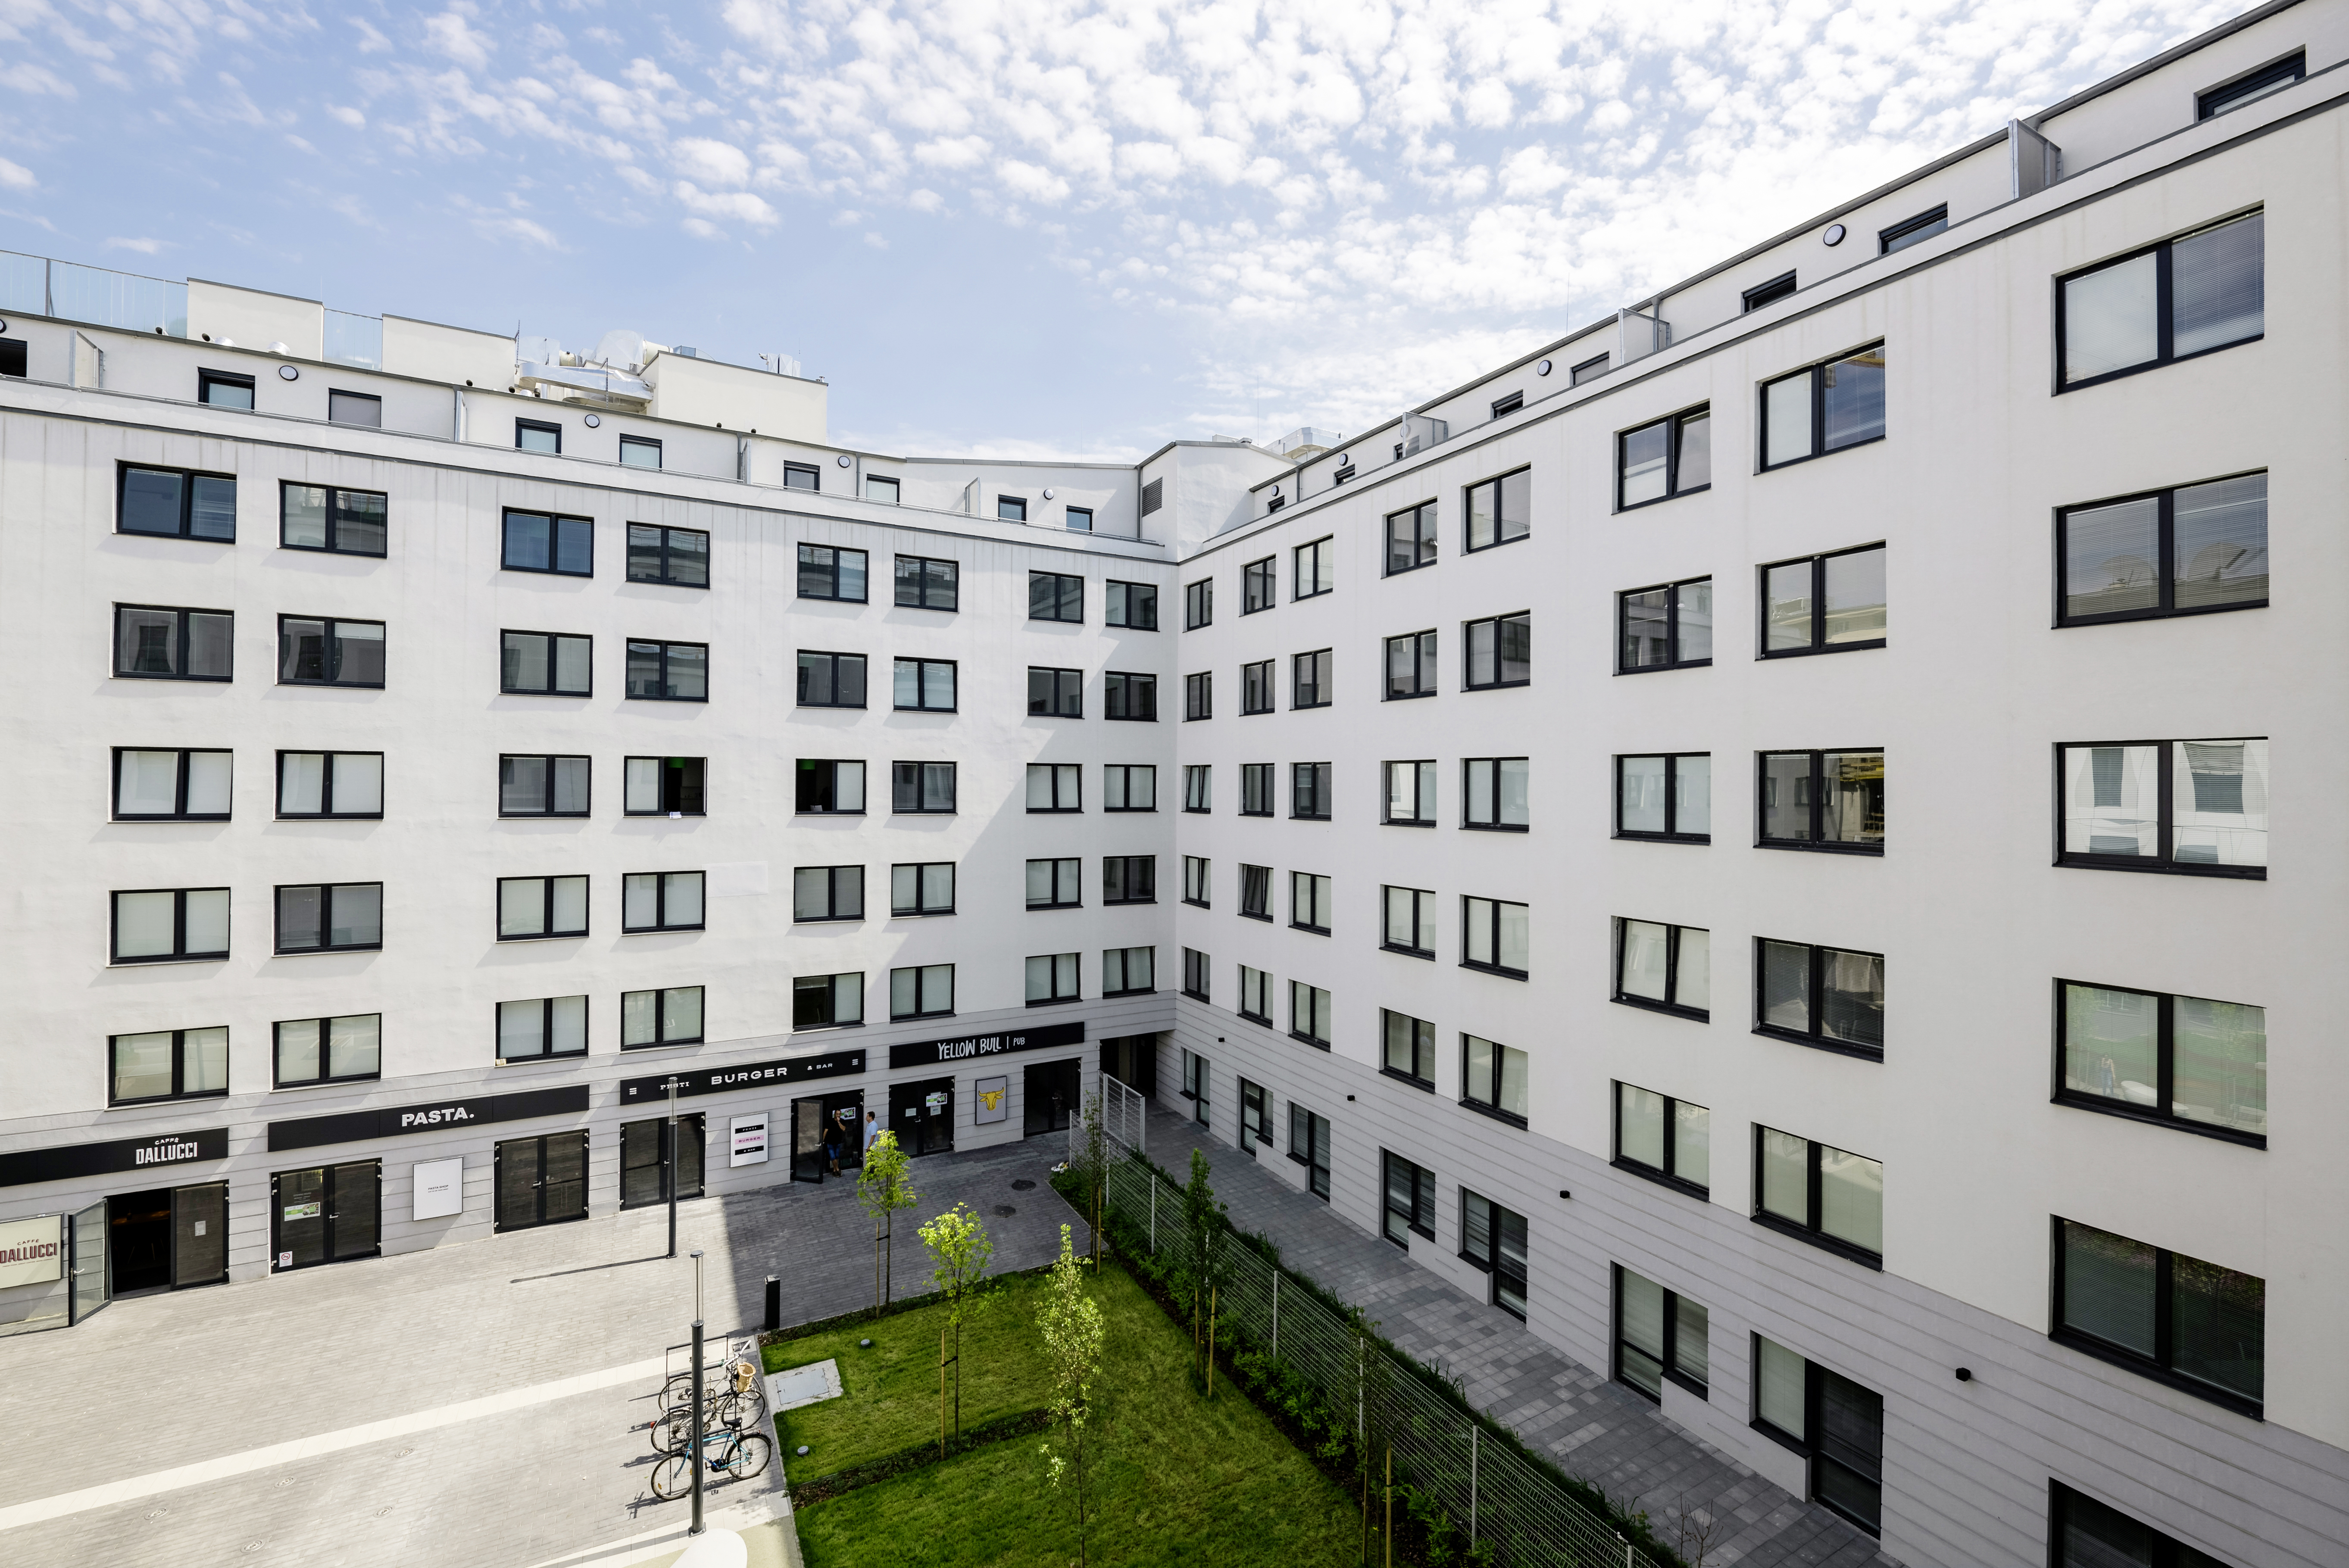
(1180, 1480)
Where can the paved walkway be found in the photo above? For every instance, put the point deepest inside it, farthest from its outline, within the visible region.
(1592, 1426)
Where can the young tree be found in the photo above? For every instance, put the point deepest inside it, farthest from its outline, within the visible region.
(883, 1187)
(1092, 1170)
(1202, 1263)
(960, 1250)
(1074, 1332)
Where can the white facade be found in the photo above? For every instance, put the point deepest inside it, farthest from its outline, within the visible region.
(1974, 688)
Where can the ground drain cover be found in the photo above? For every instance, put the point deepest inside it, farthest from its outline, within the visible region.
(1023, 1186)
(1005, 1210)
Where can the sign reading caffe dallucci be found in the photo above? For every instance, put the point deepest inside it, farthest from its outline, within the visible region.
(120, 1154)
(965, 1047)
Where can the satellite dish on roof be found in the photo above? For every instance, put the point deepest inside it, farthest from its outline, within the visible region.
(621, 347)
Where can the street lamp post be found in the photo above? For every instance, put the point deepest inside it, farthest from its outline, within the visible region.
(697, 1456)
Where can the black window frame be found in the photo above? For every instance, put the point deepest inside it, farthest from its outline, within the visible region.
(1492, 1108)
(1670, 1003)
(1260, 586)
(1260, 882)
(1198, 788)
(1262, 994)
(835, 656)
(1671, 624)
(1125, 971)
(1766, 293)
(820, 568)
(1505, 406)
(554, 521)
(1423, 789)
(1672, 833)
(337, 394)
(665, 545)
(804, 985)
(331, 637)
(1129, 879)
(661, 921)
(926, 584)
(921, 908)
(668, 647)
(1668, 1174)
(1064, 695)
(2162, 1550)
(545, 1005)
(180, 642)
(1913, 231)
(1314, 1154)
(2250, 86)
(1818, 373)
(1419, 1043)
(803, 477)
(1416, 1217)
(804, 768)
(1120, 692)
(1117, 782)
(1199, 696)
(1421, 539)
(1198, 604)
(1493, 1261)
(1310, 790)
(2164, 304)
(325, 944)
(547, 792)
(2168, 608)
(1500, 485)
(1069, 519)
(1256, 1117)
(1258, 781)
(187, 504)
(1808, 1230)
(1468, 651)
(692, 793)
(1314, 691)
(1315, 915)
(2162, 1112)
(641, 443)
(1324, 559)
(538, 427)
(1468, 802)
(184, 767)
(1422, 921)
(179, 1067)
(922, 998)
(1815, 843)
(554, 665)
(277, 1078)
(1814, 1444)
(1074, 772)
(836, 879)
(1675, 433)
(546, 907)
(660, 995)
(1197, 974)
(1017, 505)
(1198, 884)
(921, 776)
(1426, 675)
(1818, 645)
(1467, 919)
(1669, 1368)
(1067, 878)
(1817, 953)
(1118, 608)
(2158, 863)
(208, 379)
(2159, 1366)
(1260, 693)
(336, 514)
(1595, 364)
(180, 952)
(326, 790)
(1059, 588)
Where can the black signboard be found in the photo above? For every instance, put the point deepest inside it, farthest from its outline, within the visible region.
(120, 1154)
(965, 1047)
(358, 1126)
(751, 1075)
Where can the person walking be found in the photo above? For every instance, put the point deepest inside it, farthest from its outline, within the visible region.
(872, 1131)
(832, 1139)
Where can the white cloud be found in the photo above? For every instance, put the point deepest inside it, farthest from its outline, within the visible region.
(144, 247)
(15, 176)
(740, 206)
(451, 33)
(711, 162)
(350, 116)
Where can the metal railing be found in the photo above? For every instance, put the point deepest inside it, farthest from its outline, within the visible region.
(100, 296)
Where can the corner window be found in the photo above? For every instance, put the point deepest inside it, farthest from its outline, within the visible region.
(1409, 1199)
(924, 888)
(1056, 883)
(170, 925)
(1493, 1239)
(171, 786)
(1134, 605)
(1822, 1195)
(545, 663)
(669, 1016)
(1409, 921)
(2178, 1320)
(1055, 693)
(1493, 937)
(173, 504)
(1129, 879)
(1823, 604)
(329, 784)
(534, 907)
(1080, 520)
(1771, 293)
(1664, 628)
(1198, 604)
(1314, 567)
(1410, 538)
(167, 1064)
(1257, 687)
(1911, 231)
(317, 651)
(1671, 457)
(1409, 792)
(671, 786)
(1668, 968)
(2180, 552)
(880, 488)
(1055, 596)
(803, 477)
(639, 453)
(1824, 409)
(153, 642)
(1500, 511)
(1821, 800)
(2185, 1061)
(2198, 807)
(2192, 295)
(1500, 651)
(537, 435)
(329, 1050)
(1129, 787)
(1197, 881)
(1129, 971)
(1494, 793)
(1309, 903)
(829, 573)
(662, 901)
(1130, 696)
(827, 1001)
(330, 917)
(924, 992)
(925, 583)
(542, 1027)
(1256, 789)
(1493, 1080)
(1011, 508)
(1055, 787)
(2243, 90)
(677, 556)
(1309, 795)
(1051, 977)
(1411, 665)
(1834, 1423)
(535, 541)
(1658, 1333)
(1408, 1049)
(831, 680)
(355, 408)
(338, 522)
(1257, 588)
(1199, 696)
(1310, 685)
(923, 685)
(538, 786)
(1663, 1138)
(1256, 997)
(827, 786)
(1666, 798)
(918, 788)
(1308, 1145)
(668, 672)
(1198, 787)
(827, 893)
(1823, 997)
(1309, 1014)
(224, 389)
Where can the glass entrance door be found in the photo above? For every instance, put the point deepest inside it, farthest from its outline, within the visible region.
(644, 1160)
(828, 1136)
(1049, 1098)
(88, 1292)
(807, 1141)
(541, 1180)
(137, 1242)
(199, 1235)
(326, 1214)
(922, 1115)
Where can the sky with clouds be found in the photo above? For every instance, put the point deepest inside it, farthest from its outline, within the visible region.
(1019, 227)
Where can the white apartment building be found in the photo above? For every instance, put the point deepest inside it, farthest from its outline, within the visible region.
(1742, 838)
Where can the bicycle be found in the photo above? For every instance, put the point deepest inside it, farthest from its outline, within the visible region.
(740, 1456)
(732, 1408)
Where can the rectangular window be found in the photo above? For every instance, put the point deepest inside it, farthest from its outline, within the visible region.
(669, 1016)
(1492, 936)
(1671, 457)
(1133, 697)
(2084, 1534)
(168, 925)
(1911, 231)
(1055, 693)
(2195, 294)
(2186, 1062)
(1409, 790)
(1822, 996)
(666, 901)
(1011, 508)
(530, 907)
(167, 1064)
(1256, 996)
(545, 663)
(1663, 1138)
(1255, 1118)
(1410, 538)
(1134, 605)
(315, 652)
(1308, 796)
(927, 584)
(2243, 90)
(1409, 921)
(803, 477)
(223, 389)
(1129, 971)
(2181, 552)
(1408, 1049)
(919, 787)
(1196, 967)
(2179, 1320)
(677, 556)
(1494, 793)
(1411, 665)
(1129, 879)
(1256, 789)
(1309, 1014)
(1308, 1145)
(330, 784)
(1196, 1074)
(177, 504)
(1493, 1079)
(1196, 880)
(154, 642)
(1500, 511)
(925, 992)
(1833, 1423)
(1055, 596)
(922, 888)
(1658, 1333)
(1760, 294)
(639, 453)
(1313, 568)
(1500, 651)
(880, 488)
(1821, 800)
(672, 786)
(1198, 604)
(1494, 1239)
(827, 1001)
(1665, 628)
(1825, 604)
(1055, 787)
(831, 680)
(1823, 409)
(326, 518)
(1504, 407)
(1588, 370)
(1824, 1195)
(537, 786)
(828, 785)
(1667, 797)
(1080, 520)
(923, 685)
(1257, 687)
(1199, 696)
(1255, 891)
(1051, 977)
(1153, 496)
(1666, 968)
(1409, 1199)
(1309, 903)
(2191, 806)
(1258, 590)
(1055, 884)
(1129, 787)
(538, 542)
(355, 408)
(1309, 681)
(330, 917)
(668, 672)
(329, 1050)
(171, 785)
(537, 435)
(542, 1027)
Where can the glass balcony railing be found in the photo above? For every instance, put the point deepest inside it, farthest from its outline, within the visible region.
(107, 298)
(354, 340)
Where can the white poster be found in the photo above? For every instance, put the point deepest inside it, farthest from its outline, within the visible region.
(749, 1140)
(33, 1252)
(994, 1095)
(440, 1188)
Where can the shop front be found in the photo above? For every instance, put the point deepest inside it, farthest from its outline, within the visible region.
(922, 1110)
(747, 1134)
(167, 1237)
(332, 1213)
(325, 1214)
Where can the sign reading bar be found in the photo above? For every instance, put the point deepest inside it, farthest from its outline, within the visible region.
(358, 1126)
(122, 1154)
(750, 1075)
(925, 1053)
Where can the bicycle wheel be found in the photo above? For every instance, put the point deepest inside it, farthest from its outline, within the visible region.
(751, 1455)
(672, 1433)
(737, 1410)
(673, 1478)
